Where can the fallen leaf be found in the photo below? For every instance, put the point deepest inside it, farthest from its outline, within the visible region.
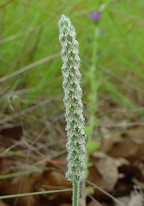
(54, 180)
(14, 132)
(109, 141)
(126, 148)
(2, 203)
(19, 185)
(108, 170)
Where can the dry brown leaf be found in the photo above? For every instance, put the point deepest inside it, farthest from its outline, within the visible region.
(108, 170)
(54, 180)
(96, 178)
(140, 152)
(19, 186)
(126, 148)
(92, 203)
(109, 141)
(105, 174)
(2, 203)
(137, 135)
(14, 132)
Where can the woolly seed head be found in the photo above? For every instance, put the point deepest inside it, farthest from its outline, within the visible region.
(72, 99)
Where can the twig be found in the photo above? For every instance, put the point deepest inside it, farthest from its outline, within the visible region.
(30, 109)
(33, 193)
(104, 192)
(33, 167)
(124, 125)
(30, 66)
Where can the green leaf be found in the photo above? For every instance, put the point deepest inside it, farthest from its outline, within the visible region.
(93, 146)
(89, 190)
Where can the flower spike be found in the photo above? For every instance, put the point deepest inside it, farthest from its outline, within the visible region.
(72, 99)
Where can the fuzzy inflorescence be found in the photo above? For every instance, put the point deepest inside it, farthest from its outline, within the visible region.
(72, 99)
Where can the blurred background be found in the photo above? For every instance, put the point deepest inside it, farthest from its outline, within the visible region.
(32, 125)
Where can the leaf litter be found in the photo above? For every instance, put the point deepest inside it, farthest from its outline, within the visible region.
(116, 169)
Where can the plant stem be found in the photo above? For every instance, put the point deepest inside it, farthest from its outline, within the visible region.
(76, 187)
(33, 193)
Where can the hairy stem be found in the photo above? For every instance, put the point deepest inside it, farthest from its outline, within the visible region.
(76, 191)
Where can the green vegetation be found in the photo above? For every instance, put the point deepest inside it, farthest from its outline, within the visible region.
(29, 34)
